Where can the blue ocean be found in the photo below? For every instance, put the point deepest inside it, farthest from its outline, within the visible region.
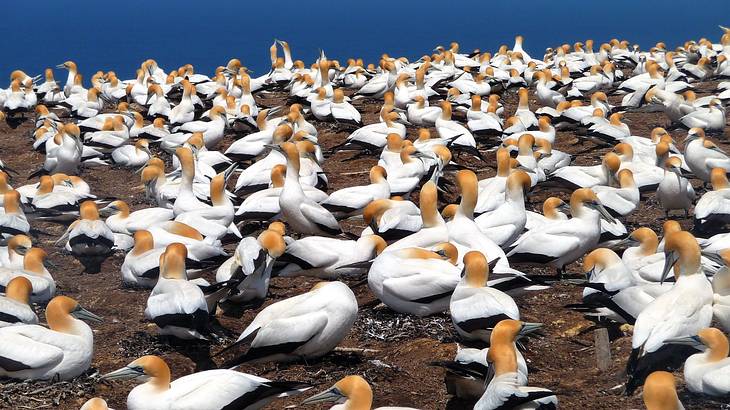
(119, 35)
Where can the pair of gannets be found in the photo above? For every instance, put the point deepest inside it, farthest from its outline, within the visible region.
(706, 372)
(121, 220)
(212, 130)
(372, 137)
(578, 176)
(505, 388)
(252, 263)
(303, 214)
(459, 136)
(31, 352)
(683, 310)
(58, 194)
(33, 269)
(253, 145)
(263, 205)
(491, 190)
(702, 155)
(562, 242)
(209, 389)
(216, 220)
(404, 175)
(141, 265)
(351, 201)
(393, 218)
(65, 155)
(12, 255)
(711, 118)
(614, 291)
(415, 280)
(621, 200)
(504, 224)
(337, 109)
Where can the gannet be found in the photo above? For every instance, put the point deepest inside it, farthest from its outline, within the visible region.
(15, 306)
(353, 392)
(89, 239)
(660, 392)
(32, 352)
(329, 258)
(476, 308)
(706, 372)
(178, 307)
(305, 326)
(209, 389)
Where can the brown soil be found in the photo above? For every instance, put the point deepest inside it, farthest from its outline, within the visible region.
(399, 372)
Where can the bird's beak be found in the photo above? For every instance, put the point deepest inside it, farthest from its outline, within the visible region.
(628, 242)
(670, 259)
(603, 211)
(693, 341)
(676, 170)
(229, 171)
(125, 373)
(274, 147)
(106, 211)
(48, 264)
(330, 395)
(83, 314)
(528, 328)
(60, 66)
(564, 208)
(419, 154)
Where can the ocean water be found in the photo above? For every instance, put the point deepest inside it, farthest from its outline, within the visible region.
(100, 35)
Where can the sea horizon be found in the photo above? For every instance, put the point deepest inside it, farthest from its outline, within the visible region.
(174, 34)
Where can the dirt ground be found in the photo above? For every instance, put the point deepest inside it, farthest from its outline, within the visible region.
(402, 346)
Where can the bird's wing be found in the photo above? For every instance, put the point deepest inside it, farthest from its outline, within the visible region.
(25, 347)
(320, 216)
(422, 287)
